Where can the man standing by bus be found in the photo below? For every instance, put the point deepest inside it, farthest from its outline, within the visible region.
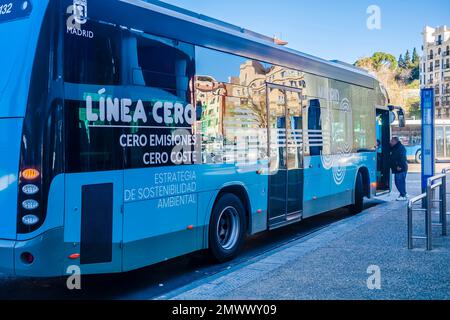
(399, 166)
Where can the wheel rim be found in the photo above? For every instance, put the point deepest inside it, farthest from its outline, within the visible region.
(228, 227)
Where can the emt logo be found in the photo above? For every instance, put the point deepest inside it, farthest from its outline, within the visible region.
(78, 16)
(80, 11)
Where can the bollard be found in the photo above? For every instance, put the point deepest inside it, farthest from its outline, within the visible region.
(428, 216)
(443, 198)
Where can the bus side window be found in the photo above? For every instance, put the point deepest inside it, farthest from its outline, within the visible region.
(315, 135)
(95, 60)
(160, 63)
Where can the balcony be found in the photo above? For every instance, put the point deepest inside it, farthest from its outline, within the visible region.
(430, 81)
(446, 66)
(446, 53)
(431, 56)
(446, 91)
(430, 69)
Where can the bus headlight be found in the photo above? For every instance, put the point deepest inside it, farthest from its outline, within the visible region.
(30, 204)
(30, 220)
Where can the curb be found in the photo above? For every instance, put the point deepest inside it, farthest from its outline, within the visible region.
(217, 285)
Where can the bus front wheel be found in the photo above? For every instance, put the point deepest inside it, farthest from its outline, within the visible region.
(419, 156)
(227, 228)
(358, 206)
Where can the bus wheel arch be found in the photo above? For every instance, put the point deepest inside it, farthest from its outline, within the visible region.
(240, 192)
(418, 156)
(365, 180)
(361, 190)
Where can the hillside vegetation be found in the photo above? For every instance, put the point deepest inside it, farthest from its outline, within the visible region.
(399, 76)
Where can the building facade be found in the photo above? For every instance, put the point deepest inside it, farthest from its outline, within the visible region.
(435, 67)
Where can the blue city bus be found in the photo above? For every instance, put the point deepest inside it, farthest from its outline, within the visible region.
(411, 137)
(133, 132)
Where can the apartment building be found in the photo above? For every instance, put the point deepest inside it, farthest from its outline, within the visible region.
(435, 67)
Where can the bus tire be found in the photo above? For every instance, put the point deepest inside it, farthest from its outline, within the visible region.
(418, 156)
(227, 228)
(358, 206)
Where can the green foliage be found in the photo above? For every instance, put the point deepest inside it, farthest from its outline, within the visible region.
(381, 58)
(401, 62)
(378, 60)
(413, 107)
(415, 58)
(409, 67)
(408, 58)
(415, 84)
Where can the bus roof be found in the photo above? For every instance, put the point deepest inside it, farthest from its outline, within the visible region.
(177, 23)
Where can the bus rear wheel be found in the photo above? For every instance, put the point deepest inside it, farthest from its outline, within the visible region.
(358, 206)
(227, 228)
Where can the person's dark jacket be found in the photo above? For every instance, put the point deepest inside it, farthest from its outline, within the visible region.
(398, 159)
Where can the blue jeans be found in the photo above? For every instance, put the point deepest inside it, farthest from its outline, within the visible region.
(400, 183)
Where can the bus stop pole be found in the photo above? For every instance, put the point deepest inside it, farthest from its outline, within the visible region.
(428, 149)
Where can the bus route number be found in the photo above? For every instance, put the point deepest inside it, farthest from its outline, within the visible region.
(6, 8)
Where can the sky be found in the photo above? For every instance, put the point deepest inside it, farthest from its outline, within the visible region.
(331, 29)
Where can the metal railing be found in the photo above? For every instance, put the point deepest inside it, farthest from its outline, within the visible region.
(427, 201)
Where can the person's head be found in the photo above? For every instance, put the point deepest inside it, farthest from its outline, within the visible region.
(394, 141)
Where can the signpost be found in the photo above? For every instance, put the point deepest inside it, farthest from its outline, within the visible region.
(428, 150)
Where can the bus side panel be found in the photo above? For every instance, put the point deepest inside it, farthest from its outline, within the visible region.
(160, 215)
(168, 209)
(330, 183)
(80, 189)
(10, 134)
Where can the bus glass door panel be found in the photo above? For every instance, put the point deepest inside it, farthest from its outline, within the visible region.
(286, 155)
(294, 135)
(383, 151)
(278, 155)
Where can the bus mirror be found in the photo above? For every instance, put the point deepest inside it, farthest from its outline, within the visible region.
(401, 118)
(391, 117)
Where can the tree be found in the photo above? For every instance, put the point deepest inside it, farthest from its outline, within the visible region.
(408, 58)
(380, 59)
(415, 58)
(413, 108)
(401, 62)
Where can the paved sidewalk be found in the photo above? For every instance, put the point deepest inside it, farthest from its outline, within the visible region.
(333, 263)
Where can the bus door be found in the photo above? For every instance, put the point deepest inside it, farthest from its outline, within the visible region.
(383, 129)
(286, 155)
